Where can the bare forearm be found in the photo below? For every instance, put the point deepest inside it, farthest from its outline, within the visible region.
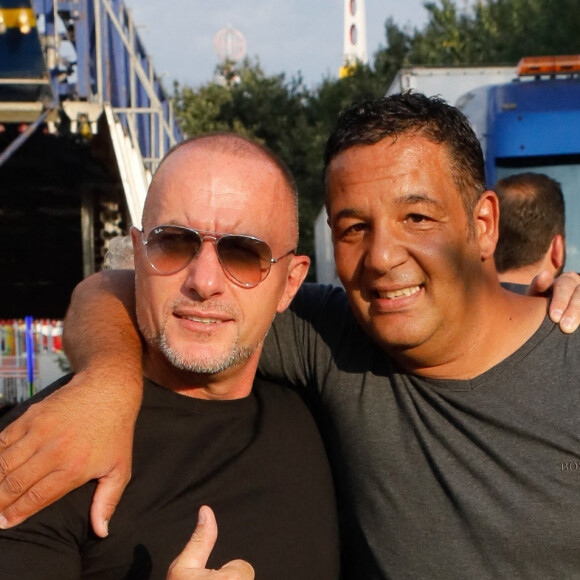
(100, 324)
(102, 342)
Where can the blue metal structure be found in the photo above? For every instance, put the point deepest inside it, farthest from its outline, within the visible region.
(84, 122)
(25, 89)
(20, 50)
(91, 53)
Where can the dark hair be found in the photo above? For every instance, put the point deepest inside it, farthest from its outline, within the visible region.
(414, 113)
(531, 214)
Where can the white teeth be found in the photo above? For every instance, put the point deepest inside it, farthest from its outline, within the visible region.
(202, 320)
(401, 292)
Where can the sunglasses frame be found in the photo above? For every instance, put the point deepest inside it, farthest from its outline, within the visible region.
(215, 237)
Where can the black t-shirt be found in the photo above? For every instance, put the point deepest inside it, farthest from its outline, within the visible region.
(258, 462)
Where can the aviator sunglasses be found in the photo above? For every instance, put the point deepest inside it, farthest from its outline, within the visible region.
(245, 260)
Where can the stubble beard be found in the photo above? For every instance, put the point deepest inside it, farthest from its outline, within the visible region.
(235, 356)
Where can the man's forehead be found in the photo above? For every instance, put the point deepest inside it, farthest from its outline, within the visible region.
(220, 191)
(224, 180)
(406, 169)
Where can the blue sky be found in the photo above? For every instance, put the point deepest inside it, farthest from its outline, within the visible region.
(286, 35)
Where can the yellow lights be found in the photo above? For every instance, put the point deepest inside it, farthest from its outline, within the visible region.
(548, 65)
(21, 18)
(24, 21)
(84, 127)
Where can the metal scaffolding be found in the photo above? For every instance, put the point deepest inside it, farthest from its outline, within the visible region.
(76, 60)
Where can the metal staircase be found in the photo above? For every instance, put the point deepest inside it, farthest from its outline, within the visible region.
(64, 64)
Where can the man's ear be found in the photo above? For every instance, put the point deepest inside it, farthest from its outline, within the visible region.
(486, 221)
(297, 271)
(558, 252)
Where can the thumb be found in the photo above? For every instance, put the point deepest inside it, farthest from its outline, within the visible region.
(197, 551)
(105, 500)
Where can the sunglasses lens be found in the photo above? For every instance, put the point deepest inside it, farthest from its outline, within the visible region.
(170, 249)
(246, 260)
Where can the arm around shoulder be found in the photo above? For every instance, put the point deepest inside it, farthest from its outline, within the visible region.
(84, 430)
(100, 325)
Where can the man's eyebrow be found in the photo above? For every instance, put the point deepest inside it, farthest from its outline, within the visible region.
(348, 212)
(417, 198)
(409, 199)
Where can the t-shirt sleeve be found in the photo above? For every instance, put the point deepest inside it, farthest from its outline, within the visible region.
(297, 350)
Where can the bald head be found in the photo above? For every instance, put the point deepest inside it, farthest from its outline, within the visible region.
(226, 146)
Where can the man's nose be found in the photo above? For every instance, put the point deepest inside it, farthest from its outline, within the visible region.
(384, 251)
(205, 275)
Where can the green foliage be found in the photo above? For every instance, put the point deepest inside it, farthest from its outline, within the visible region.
(388, 61)
(496, 32)
(295, 121)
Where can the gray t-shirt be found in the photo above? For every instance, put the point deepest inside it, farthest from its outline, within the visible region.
(441, 478)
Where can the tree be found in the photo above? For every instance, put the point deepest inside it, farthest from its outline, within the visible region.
(490, 32)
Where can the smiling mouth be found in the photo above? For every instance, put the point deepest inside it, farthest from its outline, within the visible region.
(202, 320)
(392, 294)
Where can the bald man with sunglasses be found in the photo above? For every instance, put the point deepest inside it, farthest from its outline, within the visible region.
(214, 262)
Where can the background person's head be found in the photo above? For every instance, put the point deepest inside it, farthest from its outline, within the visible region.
(206, 307)
(119, 254)
(532, 234)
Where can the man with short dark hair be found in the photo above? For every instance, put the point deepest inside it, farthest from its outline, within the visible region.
(448, 405)
(215, 261)
(532, 227)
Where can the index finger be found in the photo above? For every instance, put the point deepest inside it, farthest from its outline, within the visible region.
(25, 500)
(16, 450)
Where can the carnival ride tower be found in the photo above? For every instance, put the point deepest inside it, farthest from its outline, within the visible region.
(355, 36)
(230, 46)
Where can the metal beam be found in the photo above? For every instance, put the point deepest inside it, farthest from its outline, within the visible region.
(22, 138)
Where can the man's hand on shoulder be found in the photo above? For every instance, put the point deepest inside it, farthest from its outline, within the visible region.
(190, 564)
(80, 432)
(565, 303)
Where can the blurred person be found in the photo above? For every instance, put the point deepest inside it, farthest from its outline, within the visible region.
(532, 228)
(208, 431)
(119, 255)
